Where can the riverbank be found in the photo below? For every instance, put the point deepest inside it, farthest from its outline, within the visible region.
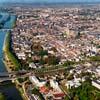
(3, 60)
(10, 61)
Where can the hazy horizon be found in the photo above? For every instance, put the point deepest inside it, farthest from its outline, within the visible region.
(47, 1)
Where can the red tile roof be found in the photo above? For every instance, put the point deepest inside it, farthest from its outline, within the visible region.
(59, 95)
(43, 89)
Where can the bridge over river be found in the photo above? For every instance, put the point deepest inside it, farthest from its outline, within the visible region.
(38, 72)
(5, 30)
(4, 76)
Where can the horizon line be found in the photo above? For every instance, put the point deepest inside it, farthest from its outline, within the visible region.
(47, 2)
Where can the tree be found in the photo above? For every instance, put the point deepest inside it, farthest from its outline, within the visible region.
(53, 60)
(43, 53)
(78, 35)
(85, 92)
(2, 97)
(68, 63)
(76, 97)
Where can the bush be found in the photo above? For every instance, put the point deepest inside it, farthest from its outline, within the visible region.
(95, 58)
(68, 63)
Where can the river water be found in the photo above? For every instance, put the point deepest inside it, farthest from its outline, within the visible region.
(9, 90)
(7, 25)
(2, 66)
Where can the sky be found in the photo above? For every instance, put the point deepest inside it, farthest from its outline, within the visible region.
(29, 1)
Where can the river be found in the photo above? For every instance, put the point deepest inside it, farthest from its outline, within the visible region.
(2, 66)
(7, 25)
(2, 36)
(9, 90)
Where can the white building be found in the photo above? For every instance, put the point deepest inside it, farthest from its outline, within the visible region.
(96, 84)
(98, 70)
(55, 85)
(75, 82)
(36, 82)
(32, 65)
